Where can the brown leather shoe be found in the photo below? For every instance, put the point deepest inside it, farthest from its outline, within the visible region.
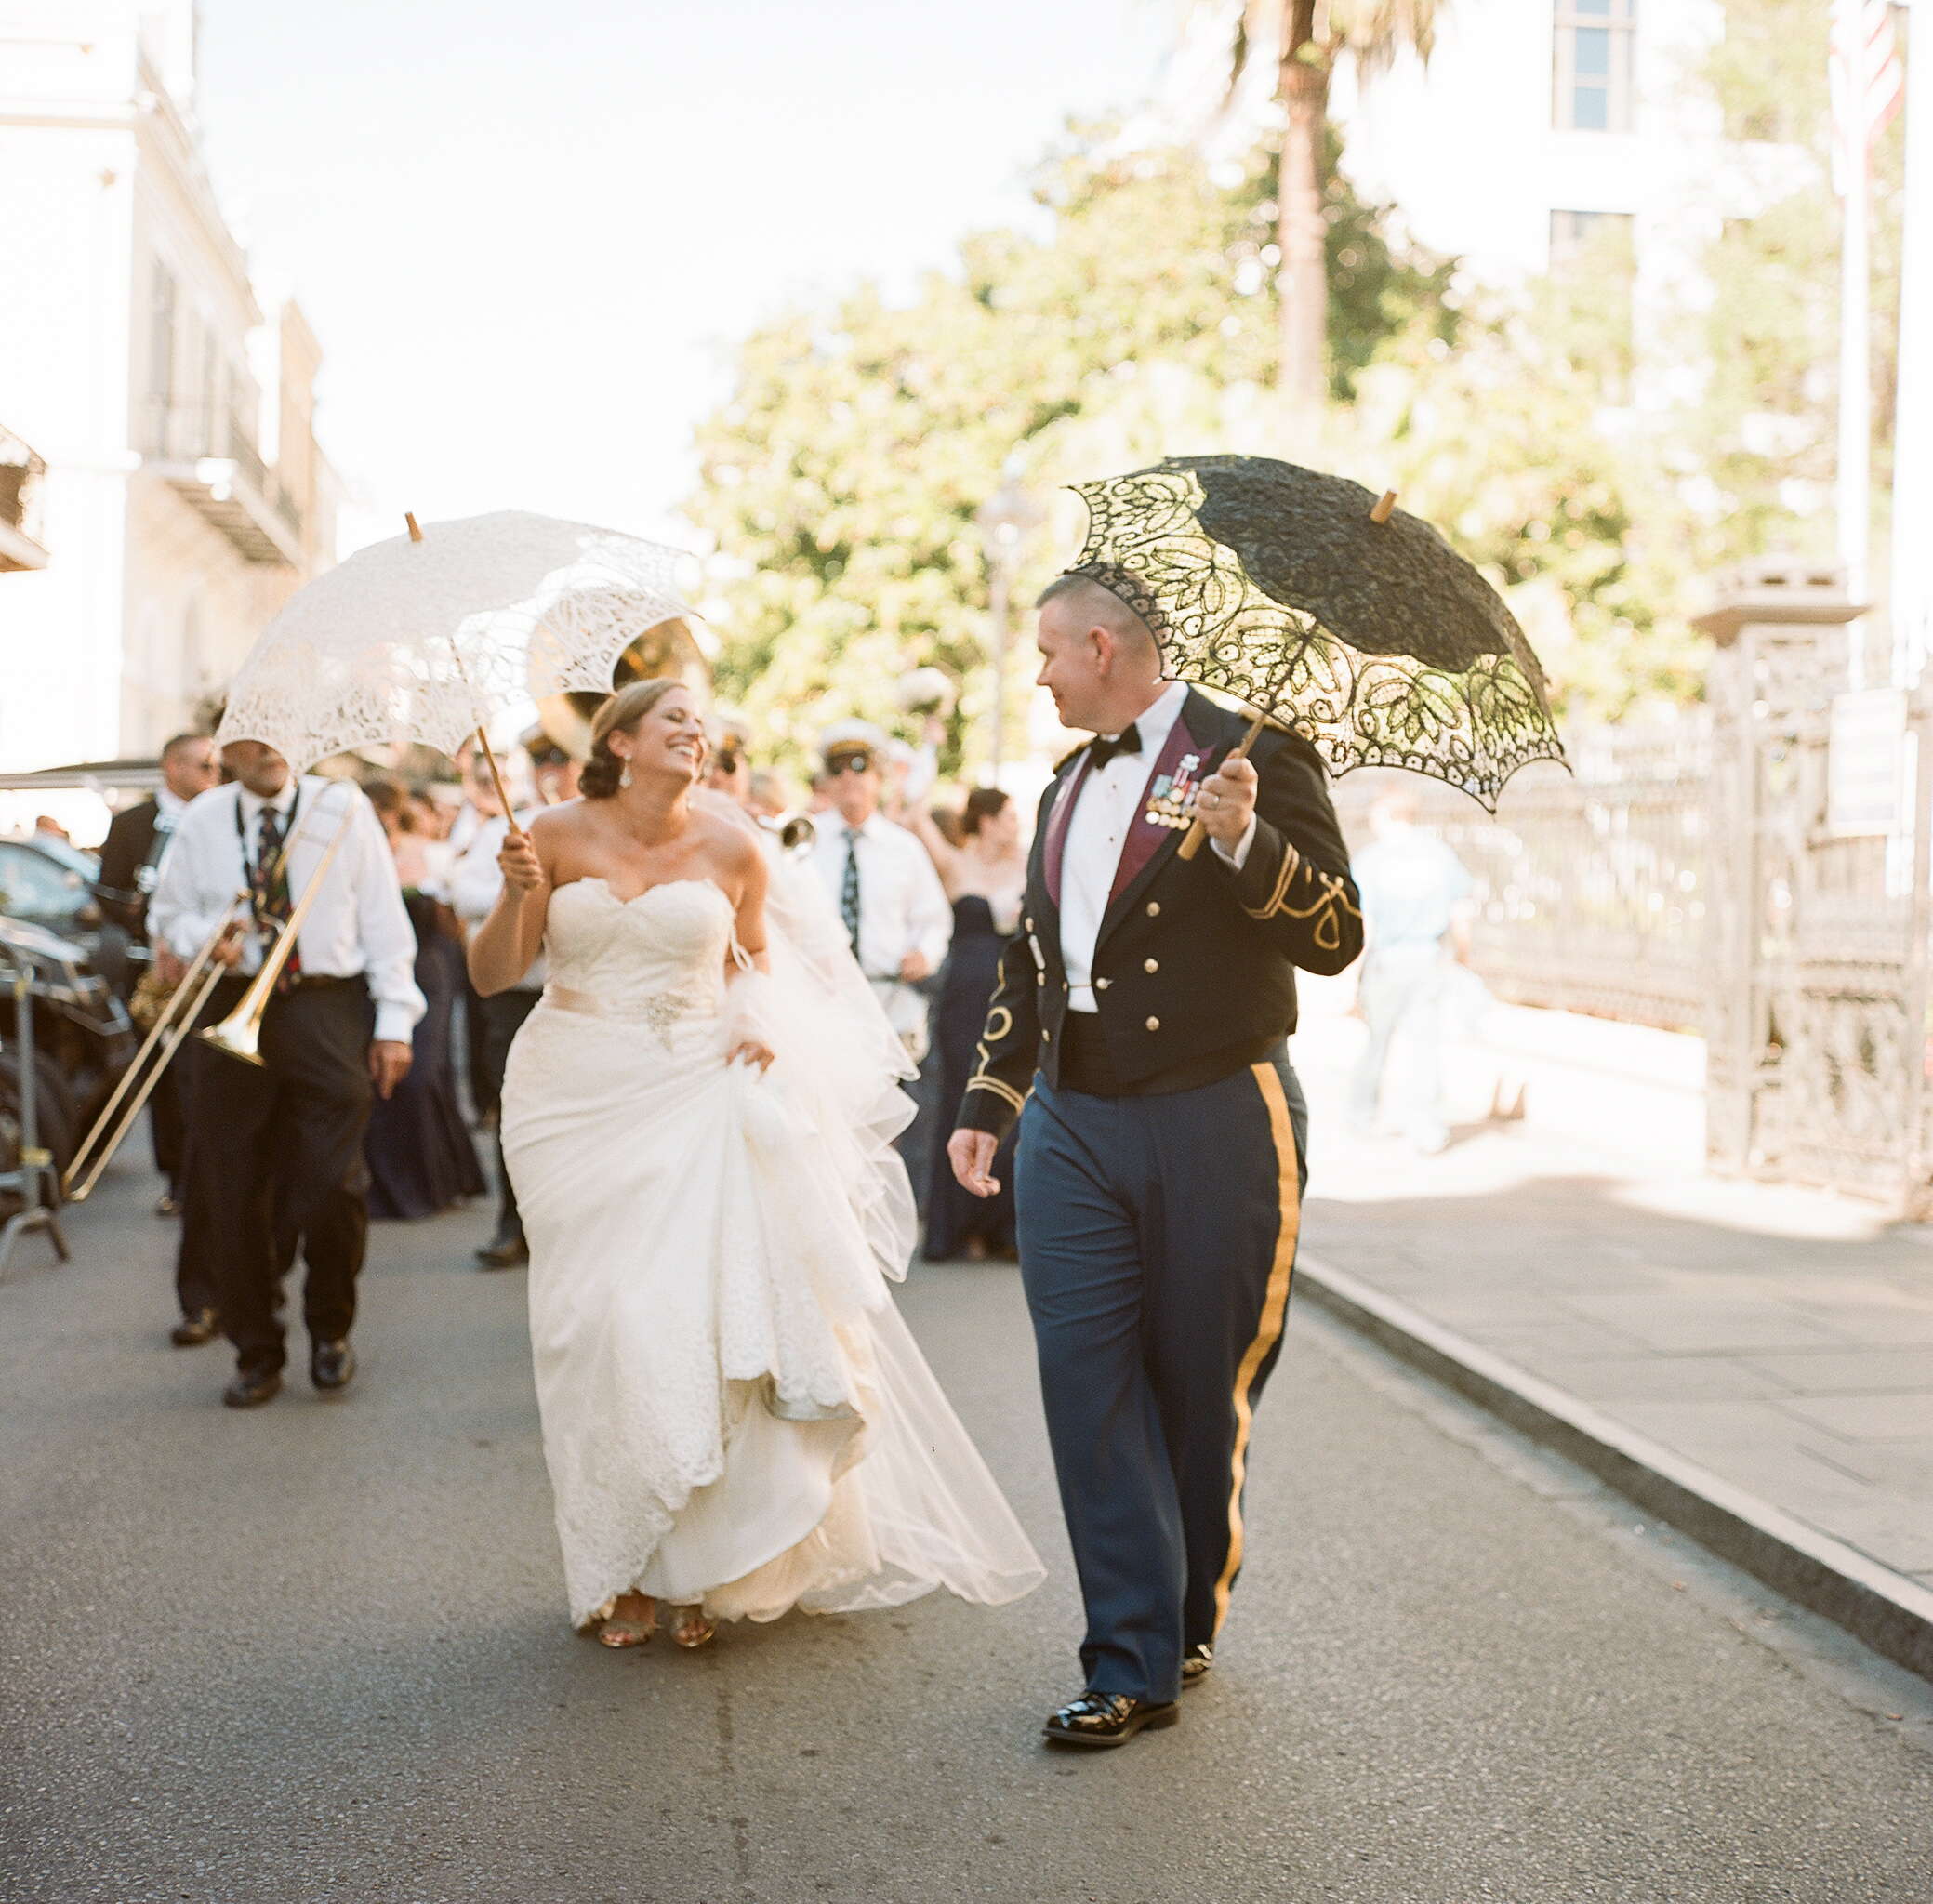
(251, 1388)
(191, 1331)
(331, 1367)
(505, 1250)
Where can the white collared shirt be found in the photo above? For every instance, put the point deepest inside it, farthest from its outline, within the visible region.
(358, 923)
(168, 805)
(1091, 856)
(902, 905)
(476, 881)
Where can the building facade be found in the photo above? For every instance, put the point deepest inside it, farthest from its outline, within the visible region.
(1592, 126)
(184, 497)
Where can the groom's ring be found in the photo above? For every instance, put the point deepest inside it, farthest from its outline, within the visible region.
(1211, 800)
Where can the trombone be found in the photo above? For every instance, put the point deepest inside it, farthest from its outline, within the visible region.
(177, 1019)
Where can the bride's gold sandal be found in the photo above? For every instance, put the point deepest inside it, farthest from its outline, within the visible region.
(617, 1631)
(692, 1630)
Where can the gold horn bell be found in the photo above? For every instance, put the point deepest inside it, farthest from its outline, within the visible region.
(669, 648)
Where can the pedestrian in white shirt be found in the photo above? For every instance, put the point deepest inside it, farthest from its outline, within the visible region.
(880, 880)
(336, 1032)
(475, 884)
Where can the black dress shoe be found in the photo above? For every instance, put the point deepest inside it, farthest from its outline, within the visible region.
(331, 1365)
(1107, 1718)
(191, 1331)
(506, 1251)
(251, 1388)
(1195, 1662)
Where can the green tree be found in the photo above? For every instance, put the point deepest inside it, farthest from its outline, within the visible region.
(840, 481)
(1304, 38)
(1757, 446)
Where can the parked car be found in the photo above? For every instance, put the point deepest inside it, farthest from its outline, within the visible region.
(50, 884)
(82, 1040)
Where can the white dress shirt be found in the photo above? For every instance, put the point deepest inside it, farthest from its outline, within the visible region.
(358, 923)
(463, 829)
(1092, 853)
(477, 879)
(902, 905)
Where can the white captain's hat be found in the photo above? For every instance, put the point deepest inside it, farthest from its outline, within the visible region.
(849, 740)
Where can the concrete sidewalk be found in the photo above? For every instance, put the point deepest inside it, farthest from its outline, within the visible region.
(1776, 1342)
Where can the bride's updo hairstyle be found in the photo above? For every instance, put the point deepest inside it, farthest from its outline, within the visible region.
(620, 714)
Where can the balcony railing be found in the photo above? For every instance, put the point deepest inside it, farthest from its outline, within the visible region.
(22, 478)
(203, 450)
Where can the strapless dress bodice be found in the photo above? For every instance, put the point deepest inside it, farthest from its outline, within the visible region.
(656, 960)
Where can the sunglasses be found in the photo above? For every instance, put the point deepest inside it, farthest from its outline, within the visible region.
(850, 764)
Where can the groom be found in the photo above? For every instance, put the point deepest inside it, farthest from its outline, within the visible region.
(1139, 1032)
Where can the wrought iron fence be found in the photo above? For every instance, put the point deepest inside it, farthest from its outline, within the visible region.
(1589, 890)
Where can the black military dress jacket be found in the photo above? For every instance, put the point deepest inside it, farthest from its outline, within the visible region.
(128, 847)
(1194, 969)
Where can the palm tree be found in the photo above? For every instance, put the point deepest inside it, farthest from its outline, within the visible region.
(1304, 38)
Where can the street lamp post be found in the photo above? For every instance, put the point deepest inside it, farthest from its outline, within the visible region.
(1003, 518)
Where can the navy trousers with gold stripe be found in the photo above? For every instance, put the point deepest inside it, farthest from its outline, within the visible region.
(1157, 1236)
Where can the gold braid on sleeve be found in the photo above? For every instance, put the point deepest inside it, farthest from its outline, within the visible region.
(1327, 899)
(999, 1025)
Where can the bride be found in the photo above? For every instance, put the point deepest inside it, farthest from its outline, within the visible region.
(698, 1119)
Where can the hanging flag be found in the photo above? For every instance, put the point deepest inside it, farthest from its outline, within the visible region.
(1867, 82)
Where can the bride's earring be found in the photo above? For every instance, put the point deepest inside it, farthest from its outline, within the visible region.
(624, 779)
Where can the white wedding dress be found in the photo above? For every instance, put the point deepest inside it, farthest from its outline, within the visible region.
(734, 1412)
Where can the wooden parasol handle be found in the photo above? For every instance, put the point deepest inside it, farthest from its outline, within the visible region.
(497, 777)
(1198, 832)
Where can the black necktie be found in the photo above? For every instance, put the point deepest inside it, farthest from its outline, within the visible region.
(268, 884)
(848, 890)
(1128, 741)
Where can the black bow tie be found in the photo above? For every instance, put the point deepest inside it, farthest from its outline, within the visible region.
(1128, 741)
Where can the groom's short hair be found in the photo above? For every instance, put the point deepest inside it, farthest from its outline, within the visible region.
(1103, 608)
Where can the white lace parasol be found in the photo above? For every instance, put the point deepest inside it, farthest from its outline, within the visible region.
(429, 640)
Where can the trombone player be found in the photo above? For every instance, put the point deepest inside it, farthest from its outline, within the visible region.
(335, 1029)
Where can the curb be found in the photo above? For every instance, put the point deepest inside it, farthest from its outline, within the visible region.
(1884, 1609)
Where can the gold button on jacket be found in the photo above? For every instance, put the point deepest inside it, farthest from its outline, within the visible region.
(1150, 965)
(1154, 1024)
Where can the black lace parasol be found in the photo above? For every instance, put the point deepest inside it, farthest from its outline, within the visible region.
(1279, 587)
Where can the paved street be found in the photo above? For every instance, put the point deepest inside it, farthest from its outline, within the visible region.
(319, 1653)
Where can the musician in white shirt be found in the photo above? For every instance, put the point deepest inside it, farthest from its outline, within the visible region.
(336, 1030)
(880, 880)
(475, 884)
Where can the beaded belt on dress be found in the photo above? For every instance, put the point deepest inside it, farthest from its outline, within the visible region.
(660, 1011)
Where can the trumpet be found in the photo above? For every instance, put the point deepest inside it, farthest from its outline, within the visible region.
(176, 1019)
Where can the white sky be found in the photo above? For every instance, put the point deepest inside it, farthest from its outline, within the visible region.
(527, 236)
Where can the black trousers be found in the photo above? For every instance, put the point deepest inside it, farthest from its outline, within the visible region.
(482, 1091)
(297, 1119)
(197, 1255)
(167, 1118)
(502, 1014)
